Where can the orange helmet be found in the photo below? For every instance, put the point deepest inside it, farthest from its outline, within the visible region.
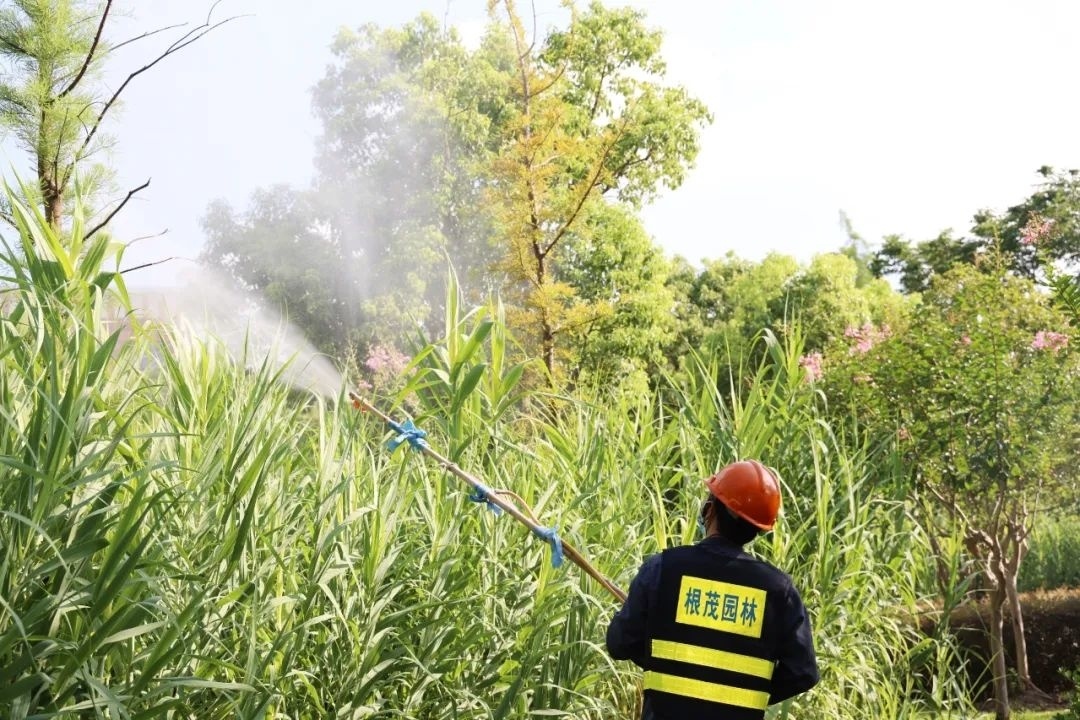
(750, 490)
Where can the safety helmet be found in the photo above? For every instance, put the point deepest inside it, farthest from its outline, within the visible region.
(750, 490)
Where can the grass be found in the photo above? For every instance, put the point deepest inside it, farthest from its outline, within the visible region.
(186, 538)
(1015, 715)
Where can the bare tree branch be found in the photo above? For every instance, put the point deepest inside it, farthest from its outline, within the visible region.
(148, 33)
(131, 242)
(117, 209)
(193, 35)
(149, 264)
(90, 53)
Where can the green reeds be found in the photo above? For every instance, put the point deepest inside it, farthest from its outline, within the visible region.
(182, 537)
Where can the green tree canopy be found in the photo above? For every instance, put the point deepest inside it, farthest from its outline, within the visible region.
(590, 121)
(723, 307)
(1052, 213)
(514, 160)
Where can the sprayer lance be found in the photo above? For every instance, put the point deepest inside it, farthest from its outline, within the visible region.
(495, 499)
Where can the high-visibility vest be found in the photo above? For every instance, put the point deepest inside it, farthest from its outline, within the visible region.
(714, 635)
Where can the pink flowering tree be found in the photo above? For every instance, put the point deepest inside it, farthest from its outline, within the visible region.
(384, 366)
(813, 364)
(1042, 235)
(981, 395)
(1037, 234)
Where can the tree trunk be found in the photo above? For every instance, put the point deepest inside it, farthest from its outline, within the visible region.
(547, 341)
(997, 650)
(1012, 571)
(52, 202)
(547, 329)
(988, 547)
(1020, 642)
(54, 208)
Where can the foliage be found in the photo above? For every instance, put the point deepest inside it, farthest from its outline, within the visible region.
(280, 246)
(981, 395)
(1053, 561)
(915, 265)
(723, 306)
(356, 259)
(588, 122)
(1055, 203)
(982, 402)
(190, 539)
(622, 275)
(501, 158)
(1066, 291)
(1072, 712)
(50, 45)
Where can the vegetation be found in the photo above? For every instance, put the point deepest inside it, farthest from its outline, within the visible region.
(1072, 712)
(983, 406)
(1051, 559)
(518, 159)
(183, 535)
(187, 538)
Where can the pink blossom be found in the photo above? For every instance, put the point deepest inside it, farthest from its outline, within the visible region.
(1049, 340)
(965, 339)
(862, 379)
(386, 360)
(812, 364)
(866, 337)
(1035, 230)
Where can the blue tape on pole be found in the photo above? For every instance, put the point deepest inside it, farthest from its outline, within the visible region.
(482, 494)
(552, 536)
(406, 432)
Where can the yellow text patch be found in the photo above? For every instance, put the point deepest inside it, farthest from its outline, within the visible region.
(721, 606)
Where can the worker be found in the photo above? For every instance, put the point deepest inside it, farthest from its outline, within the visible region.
(719, 634)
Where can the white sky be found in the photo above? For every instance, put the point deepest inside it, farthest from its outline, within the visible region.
(907, 115)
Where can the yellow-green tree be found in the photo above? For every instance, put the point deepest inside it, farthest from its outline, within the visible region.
(588, 121)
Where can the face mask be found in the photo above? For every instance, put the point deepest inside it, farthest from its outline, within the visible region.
(701, 520)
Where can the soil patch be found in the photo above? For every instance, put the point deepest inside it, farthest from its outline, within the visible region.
(1052, 629)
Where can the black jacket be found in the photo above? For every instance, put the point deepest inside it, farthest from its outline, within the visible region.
(712, 619)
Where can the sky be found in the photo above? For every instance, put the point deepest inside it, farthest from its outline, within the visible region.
(907, 116)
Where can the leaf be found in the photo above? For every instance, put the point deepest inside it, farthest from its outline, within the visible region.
(468, 384)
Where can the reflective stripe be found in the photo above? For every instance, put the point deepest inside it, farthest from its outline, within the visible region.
(701, 690)
(745, 664)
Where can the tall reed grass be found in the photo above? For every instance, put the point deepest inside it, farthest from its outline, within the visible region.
(183, 537)
(1053, 560)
